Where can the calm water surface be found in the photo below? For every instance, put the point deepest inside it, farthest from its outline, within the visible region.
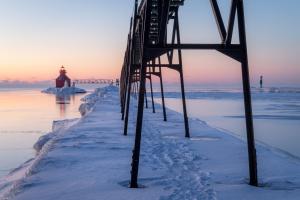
(25, 115)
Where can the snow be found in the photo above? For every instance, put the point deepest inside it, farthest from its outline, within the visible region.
(90, 159)
(57, 126)
(63, 91)
(90, 100)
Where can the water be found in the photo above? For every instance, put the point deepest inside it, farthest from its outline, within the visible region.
(276, 113)
(25, 115)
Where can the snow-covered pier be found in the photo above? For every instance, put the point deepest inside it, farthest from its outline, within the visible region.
(89, 158)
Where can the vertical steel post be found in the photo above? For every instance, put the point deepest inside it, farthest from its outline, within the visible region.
(134, 86)
(152, 99)
(247, 96)
(186, 121)
(130, 66)
(162, 90)
(124, 96)
(127, 107)
(136, 89)
(138, 131)
(146, 99)
(141, 99)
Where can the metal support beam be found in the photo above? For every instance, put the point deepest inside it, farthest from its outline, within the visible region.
(162, 91)
(192, 46)
(231, 22)
(138, 130)
(146, 98)
(151, 89)
(219, 20)
(186, 121)
(247, 96)
(127, 107)
(150, 43)
(140, 112)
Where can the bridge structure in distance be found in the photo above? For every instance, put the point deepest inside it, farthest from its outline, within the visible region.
(93, 81)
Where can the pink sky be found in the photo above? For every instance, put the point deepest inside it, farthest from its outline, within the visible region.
(37, 37)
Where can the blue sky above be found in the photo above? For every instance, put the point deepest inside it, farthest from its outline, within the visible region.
(90, 36)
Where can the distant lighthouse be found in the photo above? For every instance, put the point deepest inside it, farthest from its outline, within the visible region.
(63, 80)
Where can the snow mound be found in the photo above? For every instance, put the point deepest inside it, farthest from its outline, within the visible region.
(15, 178)
(57, 127)
(63, 91)
(91, 99)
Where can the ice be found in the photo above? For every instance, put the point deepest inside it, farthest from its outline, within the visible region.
(91, 99)
(57, 127)
(274, 93)
(64, 91)
(90, 159)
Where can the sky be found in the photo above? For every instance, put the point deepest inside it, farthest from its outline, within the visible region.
(89, 38)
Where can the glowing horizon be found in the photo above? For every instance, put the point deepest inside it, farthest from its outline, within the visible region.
(89, 39)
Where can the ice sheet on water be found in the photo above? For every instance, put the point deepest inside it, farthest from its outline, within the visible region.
(275, 93)
(273, 117)
(64, 90)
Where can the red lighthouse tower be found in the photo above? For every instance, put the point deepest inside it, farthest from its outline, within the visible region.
(63, 80)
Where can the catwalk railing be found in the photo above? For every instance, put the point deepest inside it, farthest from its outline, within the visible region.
(93, 81)
(148, 42)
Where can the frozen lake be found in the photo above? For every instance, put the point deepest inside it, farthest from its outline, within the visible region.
(25, 115)
(276, 113)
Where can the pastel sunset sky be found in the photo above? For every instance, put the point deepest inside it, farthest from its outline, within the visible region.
(89, 37)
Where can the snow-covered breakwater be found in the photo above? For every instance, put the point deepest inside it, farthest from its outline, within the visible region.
(91, 160)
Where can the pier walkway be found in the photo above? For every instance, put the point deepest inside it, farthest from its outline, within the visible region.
(91, 161)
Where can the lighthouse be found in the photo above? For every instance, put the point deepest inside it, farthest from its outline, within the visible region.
(63, 80)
